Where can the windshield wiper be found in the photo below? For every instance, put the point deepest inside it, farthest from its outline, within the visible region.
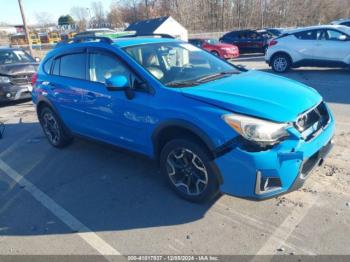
(182, 83)
(201, 80)
(216, 76)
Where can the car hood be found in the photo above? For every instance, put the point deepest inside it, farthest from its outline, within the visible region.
(257, 94)
(18, 69)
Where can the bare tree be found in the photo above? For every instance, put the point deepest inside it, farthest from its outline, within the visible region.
(44, 19)
(80, 15)
(225, 15)
(99, 17)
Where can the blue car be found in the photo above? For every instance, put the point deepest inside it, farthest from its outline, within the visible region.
(211, 126)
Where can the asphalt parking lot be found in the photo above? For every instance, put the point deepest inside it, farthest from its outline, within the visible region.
(93, 199)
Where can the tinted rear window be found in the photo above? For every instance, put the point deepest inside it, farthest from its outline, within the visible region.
(307, 35)
(47, 65)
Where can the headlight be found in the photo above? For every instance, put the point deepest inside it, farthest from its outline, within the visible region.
(257, 130)
(4, 79)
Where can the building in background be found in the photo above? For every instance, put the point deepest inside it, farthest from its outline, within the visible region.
(161, 25)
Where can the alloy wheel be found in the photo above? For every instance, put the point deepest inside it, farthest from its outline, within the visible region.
(51, 128)
(280, 64)
(187, 171)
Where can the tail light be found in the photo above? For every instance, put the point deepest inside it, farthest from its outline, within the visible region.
(272, 42)
(34, 78)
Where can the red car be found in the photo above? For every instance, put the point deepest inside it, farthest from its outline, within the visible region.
(226, 51)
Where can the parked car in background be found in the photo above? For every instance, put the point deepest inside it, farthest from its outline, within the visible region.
(323, 46)
(274, 32)
(211, 126)
(226, 51)
(248, 41)
(345, 22)
(16, 71)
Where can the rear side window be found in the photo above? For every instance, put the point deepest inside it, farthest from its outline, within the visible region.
(73, 65)
(47, 65)
(307, 35)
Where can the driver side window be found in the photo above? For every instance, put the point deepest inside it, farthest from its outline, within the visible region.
(103, 66)
(334, 35)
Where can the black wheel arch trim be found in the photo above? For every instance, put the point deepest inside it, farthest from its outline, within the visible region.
(178, 123)
(46, 101)
(281, 52)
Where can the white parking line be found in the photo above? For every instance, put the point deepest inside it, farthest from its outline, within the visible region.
(283, 232)
(83, 231)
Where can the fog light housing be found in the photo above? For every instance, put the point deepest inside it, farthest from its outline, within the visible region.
(265, 185)
(8, 95)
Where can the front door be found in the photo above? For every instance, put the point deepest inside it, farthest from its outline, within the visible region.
(110, 115)
(332, 46)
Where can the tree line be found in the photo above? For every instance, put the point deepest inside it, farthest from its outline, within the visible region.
(215, 15)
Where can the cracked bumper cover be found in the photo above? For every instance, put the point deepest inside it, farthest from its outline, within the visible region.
(240, 170)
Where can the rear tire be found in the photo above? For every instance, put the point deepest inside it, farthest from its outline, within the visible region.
(187, 168)
(281, 63)
(53, 128)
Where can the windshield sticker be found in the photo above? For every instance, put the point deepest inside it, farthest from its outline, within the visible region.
(190, 47)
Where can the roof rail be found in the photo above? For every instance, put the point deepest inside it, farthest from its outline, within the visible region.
(154, 35)
(82, 39)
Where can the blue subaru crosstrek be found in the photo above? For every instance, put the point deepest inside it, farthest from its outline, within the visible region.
(212, 127)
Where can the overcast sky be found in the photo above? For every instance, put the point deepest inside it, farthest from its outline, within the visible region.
(9, 9)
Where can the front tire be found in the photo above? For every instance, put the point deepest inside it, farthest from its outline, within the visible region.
(280, 63)
(53, 128)
(187, 168)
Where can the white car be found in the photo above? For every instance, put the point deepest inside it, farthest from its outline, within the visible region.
(345, 22)
(323, 46)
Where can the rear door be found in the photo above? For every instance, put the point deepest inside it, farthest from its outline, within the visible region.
(231, 38)
(306, 44)
(254, 41)
(242, 41)
(66, 85)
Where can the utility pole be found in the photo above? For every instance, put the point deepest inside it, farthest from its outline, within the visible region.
(262, 10)
(25, 27)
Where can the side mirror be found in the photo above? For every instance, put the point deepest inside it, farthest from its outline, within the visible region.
(117, 83)
(343, 38)
(120, 83)
(37, 59)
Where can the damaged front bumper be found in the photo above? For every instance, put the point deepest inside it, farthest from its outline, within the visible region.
(10, 92)
(263, 174)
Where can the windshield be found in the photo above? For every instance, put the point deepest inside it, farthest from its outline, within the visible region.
(212, 41)
(179, 64)
(14, 56)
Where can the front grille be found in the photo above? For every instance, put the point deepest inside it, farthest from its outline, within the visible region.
(312, 121)
(21, 79)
